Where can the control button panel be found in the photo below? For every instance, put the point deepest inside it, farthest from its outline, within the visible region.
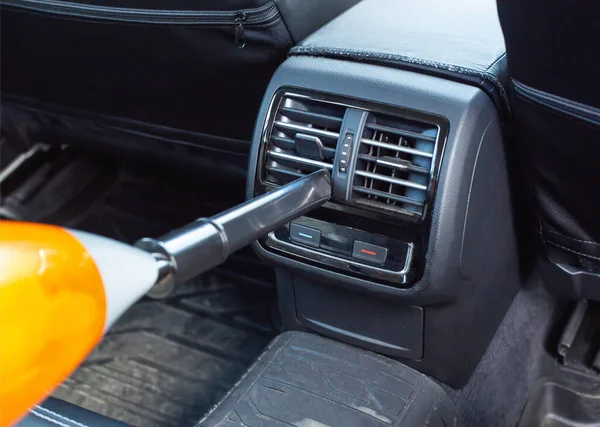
(345, 153)
(305, 235)
(348, 249)
(368, 252)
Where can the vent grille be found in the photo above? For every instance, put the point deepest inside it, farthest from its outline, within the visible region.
(395, 165)
(303, 138)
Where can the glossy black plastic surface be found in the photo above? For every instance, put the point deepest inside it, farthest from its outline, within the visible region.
(336, 249)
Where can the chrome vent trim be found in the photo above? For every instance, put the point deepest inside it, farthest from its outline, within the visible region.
(401, 276)
(394, 162)
(391, 180)
(300, 160)
(307, 130)
(301, 138)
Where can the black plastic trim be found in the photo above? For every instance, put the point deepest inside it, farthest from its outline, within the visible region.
(415, 231)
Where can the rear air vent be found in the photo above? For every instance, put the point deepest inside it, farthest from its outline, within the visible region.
(395, 165)
(302, 139)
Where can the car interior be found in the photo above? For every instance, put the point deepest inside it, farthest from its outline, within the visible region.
(451, 279)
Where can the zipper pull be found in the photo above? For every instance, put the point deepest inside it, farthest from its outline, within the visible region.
(240, 37)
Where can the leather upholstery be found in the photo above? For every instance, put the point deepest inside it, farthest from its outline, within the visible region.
(53, 412)
(196, 69)
(303, 17)
(217, 5)
(461, 40)
(552, 59)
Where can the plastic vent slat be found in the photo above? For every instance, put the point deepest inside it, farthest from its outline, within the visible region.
(298, 119)
(391, 180)
(397, 209)
(274, 169)
(299, 160)
(284, 143)
(396, 159)
(311, 117)
(307, 130)
(397, 164)
(396, 148)
(401, 132)
(329, 153)
(389, 196)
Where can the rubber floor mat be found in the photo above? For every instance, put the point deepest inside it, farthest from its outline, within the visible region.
(164, 363)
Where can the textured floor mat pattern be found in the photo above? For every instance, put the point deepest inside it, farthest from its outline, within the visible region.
(164, 363)
(167, 363)
(303, 380)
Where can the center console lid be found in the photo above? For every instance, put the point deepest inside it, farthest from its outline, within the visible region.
(458, 40)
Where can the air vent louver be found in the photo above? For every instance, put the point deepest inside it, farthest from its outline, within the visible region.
(303, 138)
(395, 165)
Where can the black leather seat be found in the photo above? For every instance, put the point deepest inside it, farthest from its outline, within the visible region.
(191, 71)
(552, 53)
(53, 412)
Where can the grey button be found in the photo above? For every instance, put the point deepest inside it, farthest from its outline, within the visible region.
(305, 235)
(368, 252)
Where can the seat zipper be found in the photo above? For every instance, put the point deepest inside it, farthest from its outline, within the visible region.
(557, 103)
(240, 36)
(237, 19)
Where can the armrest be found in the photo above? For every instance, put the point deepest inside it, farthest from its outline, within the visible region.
(459, 40)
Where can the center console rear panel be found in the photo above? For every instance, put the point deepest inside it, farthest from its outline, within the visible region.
(442, 320)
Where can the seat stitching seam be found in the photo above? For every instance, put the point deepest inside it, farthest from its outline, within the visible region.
(571, 238)
(501, 57)
(61, 416)
(49, 419)
(407, 59)
(575, 252)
